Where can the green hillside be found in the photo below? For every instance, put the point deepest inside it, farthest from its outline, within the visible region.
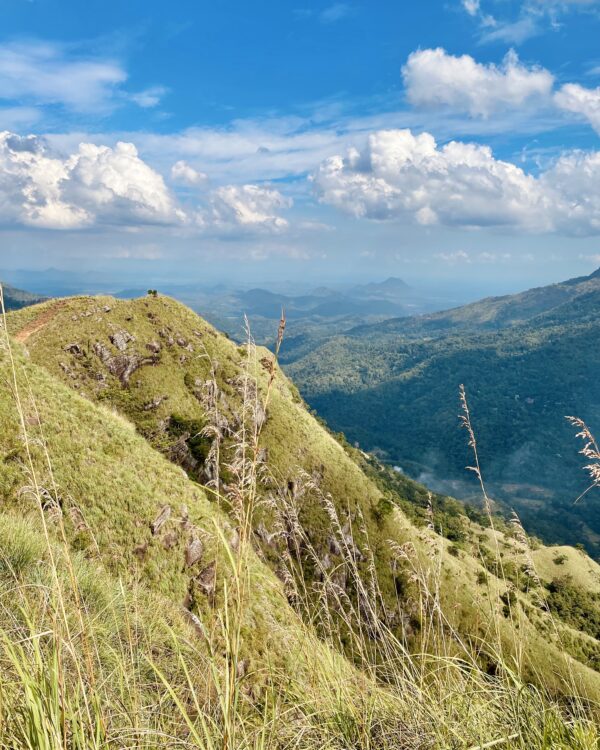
(526, 361)
(15, 299)
(168, 462)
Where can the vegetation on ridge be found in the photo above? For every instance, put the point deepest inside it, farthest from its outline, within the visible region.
(425, 639)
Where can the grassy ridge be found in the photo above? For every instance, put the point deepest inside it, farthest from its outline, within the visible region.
(334, 531)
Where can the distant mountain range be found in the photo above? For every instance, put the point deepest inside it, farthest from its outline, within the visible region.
(316, 313)
(526, 360)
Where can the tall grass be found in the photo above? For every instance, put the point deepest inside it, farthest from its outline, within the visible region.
(89, 662)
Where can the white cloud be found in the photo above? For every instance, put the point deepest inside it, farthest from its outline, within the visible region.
(510, 32)
(471, 6)
(457, 256)
(581, 101)
(182, 172)
(434, 78)
(42, 73)
(335, 12)
(99, 185)
(402, 176)
(532, 17)
(94, 185)
(150, 97)
(235, 206)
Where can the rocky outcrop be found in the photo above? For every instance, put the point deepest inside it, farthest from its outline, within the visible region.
(122, 366)
(161, 519)
(120, 339)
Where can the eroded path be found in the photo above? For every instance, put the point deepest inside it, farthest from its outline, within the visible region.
(38, 323)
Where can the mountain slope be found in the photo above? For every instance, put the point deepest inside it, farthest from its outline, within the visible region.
(15, 299)
(186, 388)
(526, 361)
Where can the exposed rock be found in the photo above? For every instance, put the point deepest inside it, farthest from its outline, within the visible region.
(264, 536)
(161, 519)
(195, 622)
(334, 546)
(193, 552)
(155, 403)
(153, 346)
(165, 333)
(181, 454)
(120, 339)
(124, 365)
(74, 349)
(107, 309)
(207, 579)
(101, 351)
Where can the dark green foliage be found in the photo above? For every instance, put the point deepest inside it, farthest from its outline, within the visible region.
(509, 601)
(575, 606)
(525, 360)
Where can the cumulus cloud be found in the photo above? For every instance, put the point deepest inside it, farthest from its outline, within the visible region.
(235, 206)
(434, 78)
(183, 173)
(402, 175)
(101, 185)
(581, 101)
(96, 184)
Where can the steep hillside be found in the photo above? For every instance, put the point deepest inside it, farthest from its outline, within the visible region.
(324, 517)
(526, 362)
(112, 551)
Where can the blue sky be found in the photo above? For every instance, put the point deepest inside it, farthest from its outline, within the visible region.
(437, 141)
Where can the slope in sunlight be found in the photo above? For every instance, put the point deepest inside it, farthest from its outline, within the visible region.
(186, 389)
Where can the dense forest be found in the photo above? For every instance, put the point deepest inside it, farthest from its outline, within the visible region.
(526, 362)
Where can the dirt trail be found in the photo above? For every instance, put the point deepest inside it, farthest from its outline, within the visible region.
(38, 323)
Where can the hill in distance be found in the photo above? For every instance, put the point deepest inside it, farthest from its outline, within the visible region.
(163, 455)
(526, 360)
(15, 299)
